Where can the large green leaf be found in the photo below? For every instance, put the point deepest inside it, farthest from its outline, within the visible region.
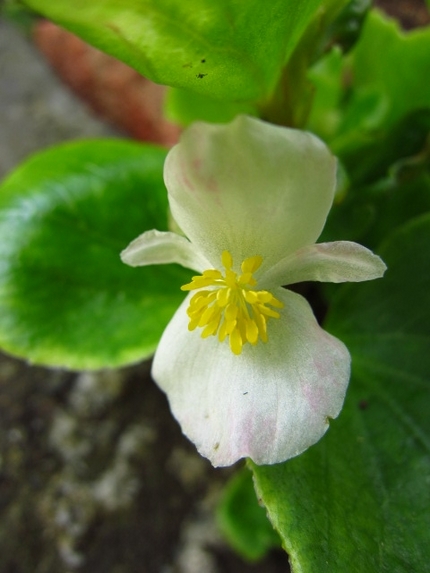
(359, 500)
(367, 214)
(394, 63)
(66, 299)
(184, 107)
(376, 157)
(326, 77)
(388, 71)
(228, 49)
(361, 99)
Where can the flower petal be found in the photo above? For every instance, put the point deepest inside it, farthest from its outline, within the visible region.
(337, 262)
(269, 403)
(159, 248)
(249, 187)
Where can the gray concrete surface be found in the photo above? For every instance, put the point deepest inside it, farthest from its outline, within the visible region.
(35, 109)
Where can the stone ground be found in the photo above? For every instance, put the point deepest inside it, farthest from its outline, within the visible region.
(95, 475)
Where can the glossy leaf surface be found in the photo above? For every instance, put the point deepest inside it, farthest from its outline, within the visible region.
(226, 49)
(358, 500)
(66, 299)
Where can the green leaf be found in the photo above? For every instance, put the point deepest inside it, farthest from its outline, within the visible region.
(66, 299)
(388, 67)
(184, 107)
(379, 151)
(291, 102)
(367, 214)
(326, 77)
(346, 28)
(228, 49)
(358, 501)
(243, 521)
(360, 100)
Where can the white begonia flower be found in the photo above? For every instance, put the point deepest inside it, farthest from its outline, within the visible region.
(247, 370)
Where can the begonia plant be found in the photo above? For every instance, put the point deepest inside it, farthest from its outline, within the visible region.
(271, 94)
(252, 198)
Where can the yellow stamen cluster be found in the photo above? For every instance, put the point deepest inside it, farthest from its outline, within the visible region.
(231, 306)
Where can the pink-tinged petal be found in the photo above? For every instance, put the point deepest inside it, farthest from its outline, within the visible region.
(337, 262)
(160, 248)
(271, 402)
(250, 187)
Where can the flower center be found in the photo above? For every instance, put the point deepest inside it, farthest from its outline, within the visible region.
(231, 306)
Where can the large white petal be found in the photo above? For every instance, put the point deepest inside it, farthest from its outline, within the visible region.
(338, 262)
(250, 187)
(271, 402)
(160, 248)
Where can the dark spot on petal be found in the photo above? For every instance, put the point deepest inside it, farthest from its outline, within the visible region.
(216, 446)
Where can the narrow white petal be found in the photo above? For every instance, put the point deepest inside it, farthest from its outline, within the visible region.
(250, 187)
(337, 262)
(271, 402)
(159, 248)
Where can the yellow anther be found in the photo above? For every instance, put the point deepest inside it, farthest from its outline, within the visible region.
(245, 278)
(193, 324)
(230, 325)
(260, 320)
(251, 332)
(229, 306)
(212, 274)
(200, 302)
(230, 278)
(250, 296)
(227, 259)
(231, 311)
(268, 311)
(212, 327)
(207, 315)
(236, 341)
(223, 296)
(264, 296)
(222, 332)
(275, 302)
(251, 264)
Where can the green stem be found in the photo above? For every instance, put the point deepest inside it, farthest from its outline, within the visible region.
(291, 101)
